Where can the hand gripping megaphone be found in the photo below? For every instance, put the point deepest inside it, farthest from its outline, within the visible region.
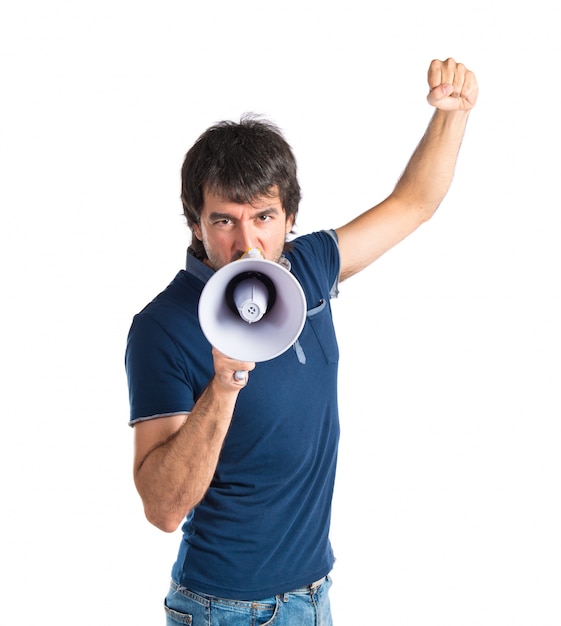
(252, 309)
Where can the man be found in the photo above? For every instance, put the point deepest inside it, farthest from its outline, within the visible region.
(249, 465)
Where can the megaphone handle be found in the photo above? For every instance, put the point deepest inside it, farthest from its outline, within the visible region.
(240, 375)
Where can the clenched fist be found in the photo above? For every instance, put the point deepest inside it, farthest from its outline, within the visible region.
(452, 86)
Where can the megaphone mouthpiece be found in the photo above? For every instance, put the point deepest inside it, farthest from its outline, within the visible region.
(253, 253)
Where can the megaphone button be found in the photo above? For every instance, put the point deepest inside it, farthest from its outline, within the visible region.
(251, 299)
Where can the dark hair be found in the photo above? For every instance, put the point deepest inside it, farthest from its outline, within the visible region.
(238, 162)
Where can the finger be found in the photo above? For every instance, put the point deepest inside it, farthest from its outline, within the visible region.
(458, 79)
(448, 71)
(230, 372)
(435, 74)
(441, 72)
(470, 88)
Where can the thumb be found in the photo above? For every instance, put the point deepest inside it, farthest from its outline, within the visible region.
(439, 93)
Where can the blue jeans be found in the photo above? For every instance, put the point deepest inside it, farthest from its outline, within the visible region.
(302, 607)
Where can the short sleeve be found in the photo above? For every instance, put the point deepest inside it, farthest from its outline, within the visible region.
(157, 375)
(318, 256)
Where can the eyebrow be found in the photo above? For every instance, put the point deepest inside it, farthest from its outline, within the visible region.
(218, 215)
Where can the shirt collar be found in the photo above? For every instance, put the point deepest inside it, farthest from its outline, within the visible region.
(198, 268)
(203, 272)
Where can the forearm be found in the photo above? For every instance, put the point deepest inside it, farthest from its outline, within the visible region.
(430, 171)
(419, 191)
(174, 475)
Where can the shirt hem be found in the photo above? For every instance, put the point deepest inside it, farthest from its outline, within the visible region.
(156, 416)
(254, 595)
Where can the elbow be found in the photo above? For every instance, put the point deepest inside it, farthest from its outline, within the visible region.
(166, 526)
(160, 512)
(426, 211)
(164, 509)
(166, 522)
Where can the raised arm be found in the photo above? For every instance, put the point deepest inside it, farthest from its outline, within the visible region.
(427, 177)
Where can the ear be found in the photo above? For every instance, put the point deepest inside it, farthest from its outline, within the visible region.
(289, 224)
(196, 228)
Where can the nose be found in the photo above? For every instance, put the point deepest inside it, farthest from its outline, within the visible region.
(244, 238)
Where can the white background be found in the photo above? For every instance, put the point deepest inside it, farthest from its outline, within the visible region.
(447, 506)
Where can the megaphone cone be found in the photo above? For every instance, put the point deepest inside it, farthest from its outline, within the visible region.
(252, 310)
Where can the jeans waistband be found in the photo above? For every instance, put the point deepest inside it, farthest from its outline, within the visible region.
(309, 588)
(302, 590)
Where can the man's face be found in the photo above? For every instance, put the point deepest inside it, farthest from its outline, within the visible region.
(228, 229)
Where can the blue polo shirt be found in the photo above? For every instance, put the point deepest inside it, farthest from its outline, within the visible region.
(263, 526)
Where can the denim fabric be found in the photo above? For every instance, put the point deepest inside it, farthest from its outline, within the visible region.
(302, 607)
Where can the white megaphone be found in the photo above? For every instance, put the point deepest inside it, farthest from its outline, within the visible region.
(252, 309)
